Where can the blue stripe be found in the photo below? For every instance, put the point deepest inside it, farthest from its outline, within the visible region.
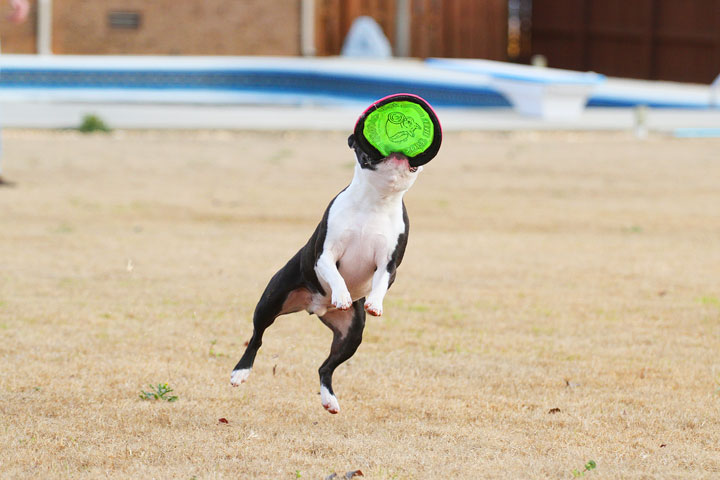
(625, 102)
(307, 83)
(301, 83)
(697, 132)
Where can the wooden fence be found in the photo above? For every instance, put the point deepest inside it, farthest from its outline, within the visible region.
(438, 28)
(652, 39)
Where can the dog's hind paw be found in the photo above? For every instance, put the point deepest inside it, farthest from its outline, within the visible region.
(239, 376)
(329, 401)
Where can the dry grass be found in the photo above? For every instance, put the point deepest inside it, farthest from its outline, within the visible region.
(578, 272)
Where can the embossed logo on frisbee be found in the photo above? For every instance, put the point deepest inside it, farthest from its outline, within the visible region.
(399, 127)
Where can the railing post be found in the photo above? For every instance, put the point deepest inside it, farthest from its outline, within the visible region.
(307, 28)
(402, 28)
(44, 27)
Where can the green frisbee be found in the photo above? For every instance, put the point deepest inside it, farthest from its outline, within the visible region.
(401, 123)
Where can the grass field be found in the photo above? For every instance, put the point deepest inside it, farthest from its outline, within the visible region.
(559, 302)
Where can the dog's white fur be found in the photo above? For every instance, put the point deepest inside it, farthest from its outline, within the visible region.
(329, 401)
(239, 376)
(364, 223)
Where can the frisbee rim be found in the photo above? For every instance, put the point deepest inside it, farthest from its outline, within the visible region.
(415, 161)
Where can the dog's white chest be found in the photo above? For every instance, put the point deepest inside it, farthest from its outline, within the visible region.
(360, 237)
(364, 246)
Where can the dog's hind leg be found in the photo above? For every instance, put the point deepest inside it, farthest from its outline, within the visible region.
(347, 327)
(281, 296)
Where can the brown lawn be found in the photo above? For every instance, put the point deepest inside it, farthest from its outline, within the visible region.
(559, 302)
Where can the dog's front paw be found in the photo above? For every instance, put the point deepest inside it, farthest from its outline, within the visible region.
(373, 308)
(342, 300)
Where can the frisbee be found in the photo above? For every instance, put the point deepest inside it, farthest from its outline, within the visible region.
(400, 123)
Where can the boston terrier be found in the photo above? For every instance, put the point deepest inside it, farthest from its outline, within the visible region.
(351, 260)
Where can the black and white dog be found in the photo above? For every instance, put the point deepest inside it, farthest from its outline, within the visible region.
(346, 267)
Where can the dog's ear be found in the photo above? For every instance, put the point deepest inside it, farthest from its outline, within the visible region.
(362, 157)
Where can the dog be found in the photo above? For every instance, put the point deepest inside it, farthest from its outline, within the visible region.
(348, 264)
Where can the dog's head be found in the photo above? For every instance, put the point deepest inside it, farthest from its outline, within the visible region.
(391, 173)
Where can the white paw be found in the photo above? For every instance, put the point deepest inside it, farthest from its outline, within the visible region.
(373, 308)
(239, 376)
(328, 400)
(342, 300)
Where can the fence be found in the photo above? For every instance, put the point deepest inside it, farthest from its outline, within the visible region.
(438, 28)
(649, 39)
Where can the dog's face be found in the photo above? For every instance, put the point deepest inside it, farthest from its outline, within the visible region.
(390, 174)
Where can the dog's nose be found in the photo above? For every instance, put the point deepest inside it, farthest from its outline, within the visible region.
(397, 157)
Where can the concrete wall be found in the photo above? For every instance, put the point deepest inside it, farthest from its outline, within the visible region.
(168, 27)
